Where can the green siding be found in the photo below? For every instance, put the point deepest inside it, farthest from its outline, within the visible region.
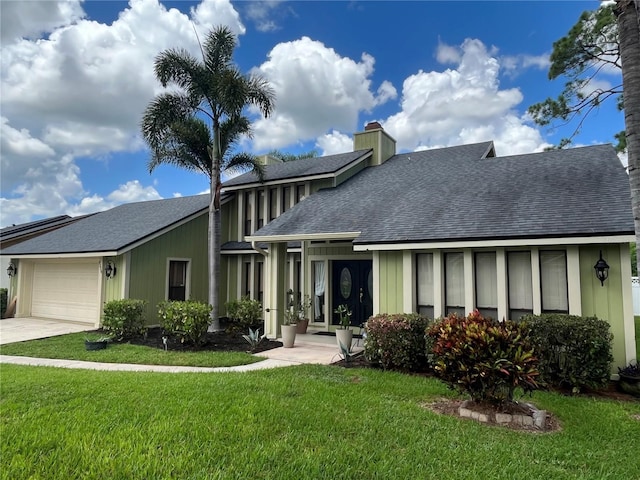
(346, 175)
(604, 302)
(364, 140)
(391, 282)
(230, 220)
(113, 287)
(149, 264)
(332, 251)
(320, 184)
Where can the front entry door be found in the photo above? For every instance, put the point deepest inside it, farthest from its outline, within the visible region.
(352, 282)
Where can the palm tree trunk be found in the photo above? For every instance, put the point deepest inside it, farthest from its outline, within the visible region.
(215, 225)
(628, 17)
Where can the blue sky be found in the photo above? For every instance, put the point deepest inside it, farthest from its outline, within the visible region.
(76, 77)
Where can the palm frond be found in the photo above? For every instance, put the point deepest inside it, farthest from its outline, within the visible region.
(245, 162)
(175, 65)
(160, 114)
(231, 130)
(260, 93)
(218, 49)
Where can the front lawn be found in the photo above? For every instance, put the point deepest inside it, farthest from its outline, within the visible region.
(71, 347)
(319, 422)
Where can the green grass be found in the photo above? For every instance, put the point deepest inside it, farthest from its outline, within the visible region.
(291, 423)
(71, 347)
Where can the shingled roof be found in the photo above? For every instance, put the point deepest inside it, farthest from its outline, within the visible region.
(305, 167)
(457, 194)
(114, 229)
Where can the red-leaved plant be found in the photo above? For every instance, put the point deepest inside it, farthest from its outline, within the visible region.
(483, 358)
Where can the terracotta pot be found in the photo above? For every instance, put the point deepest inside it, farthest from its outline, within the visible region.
(288, 335)
(301, 326)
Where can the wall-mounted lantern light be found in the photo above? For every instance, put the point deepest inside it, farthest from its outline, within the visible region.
(12, 269)
(602, 269)
(110, 270)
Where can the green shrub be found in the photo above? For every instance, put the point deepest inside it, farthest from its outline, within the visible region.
(3, 301)
(124, 319)
(188, 320)
(574, 352)
(243, 313)
(397, 341)
(483, 358)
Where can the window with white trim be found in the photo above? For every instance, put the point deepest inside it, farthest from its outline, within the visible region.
(177, 284)
(424, 283)
(454, 283)
(486, 280)
(553, 281)
(520, 284)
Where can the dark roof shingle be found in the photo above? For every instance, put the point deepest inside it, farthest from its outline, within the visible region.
(455, 194)
(113, 229)
(305, 167)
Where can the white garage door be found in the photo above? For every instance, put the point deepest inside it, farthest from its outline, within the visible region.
(66, 291)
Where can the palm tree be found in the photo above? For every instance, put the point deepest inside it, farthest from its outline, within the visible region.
(628, 19)
(196, 125)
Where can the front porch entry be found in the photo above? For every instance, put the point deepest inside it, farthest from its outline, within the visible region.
(352, 285)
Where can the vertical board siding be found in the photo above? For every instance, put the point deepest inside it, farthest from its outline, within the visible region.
(391, 286)
(604, 302)
(113, 287)
(149, 264)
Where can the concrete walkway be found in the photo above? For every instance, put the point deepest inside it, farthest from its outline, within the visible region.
(313, 349)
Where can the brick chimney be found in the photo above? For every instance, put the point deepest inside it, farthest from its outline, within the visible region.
(374, 136)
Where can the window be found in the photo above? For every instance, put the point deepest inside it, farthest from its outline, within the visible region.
(553, 281)
(486, 284)
(246, 279)
(300, 190)
(177, 285)
(520, 284)
(424, 283)
(318, 290)
(454, 283)
(273, 203)
(248, 211)
(260, 208)
(259, 282)
(286, 198)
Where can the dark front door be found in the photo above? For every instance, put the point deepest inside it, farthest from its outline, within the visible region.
(352, 282)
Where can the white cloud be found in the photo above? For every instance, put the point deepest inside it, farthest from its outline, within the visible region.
(513, 65)
(462, 105)
(21, 19)
(335, 142)
(316, 89)
(261, 13)
(81, 91)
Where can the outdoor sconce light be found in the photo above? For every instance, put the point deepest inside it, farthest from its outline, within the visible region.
(602, 269)
(110, 270)
(12, 269)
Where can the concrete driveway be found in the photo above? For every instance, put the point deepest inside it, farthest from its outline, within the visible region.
(20, 329)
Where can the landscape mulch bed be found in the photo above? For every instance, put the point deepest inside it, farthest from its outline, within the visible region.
(218, 341)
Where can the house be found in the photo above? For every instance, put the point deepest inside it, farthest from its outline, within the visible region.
(434, 231)
(14, 234)
(153, 250)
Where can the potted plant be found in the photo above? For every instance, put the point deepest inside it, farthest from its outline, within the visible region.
(630, 379)
(302, 309)
(288, 327)
(344, 334)
(96, 342)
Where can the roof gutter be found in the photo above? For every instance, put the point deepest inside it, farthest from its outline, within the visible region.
(261, 251)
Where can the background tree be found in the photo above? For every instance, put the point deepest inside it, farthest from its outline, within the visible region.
(198, 122)
(628, 16)
(590, 49)
(606, 38)
(290, 157)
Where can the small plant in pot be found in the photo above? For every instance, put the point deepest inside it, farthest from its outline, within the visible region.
(299, 310)
(630, 379)
(344, 334)
(289, 327)
(96, 342)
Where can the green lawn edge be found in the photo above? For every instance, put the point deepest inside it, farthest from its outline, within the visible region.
(71, 347)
